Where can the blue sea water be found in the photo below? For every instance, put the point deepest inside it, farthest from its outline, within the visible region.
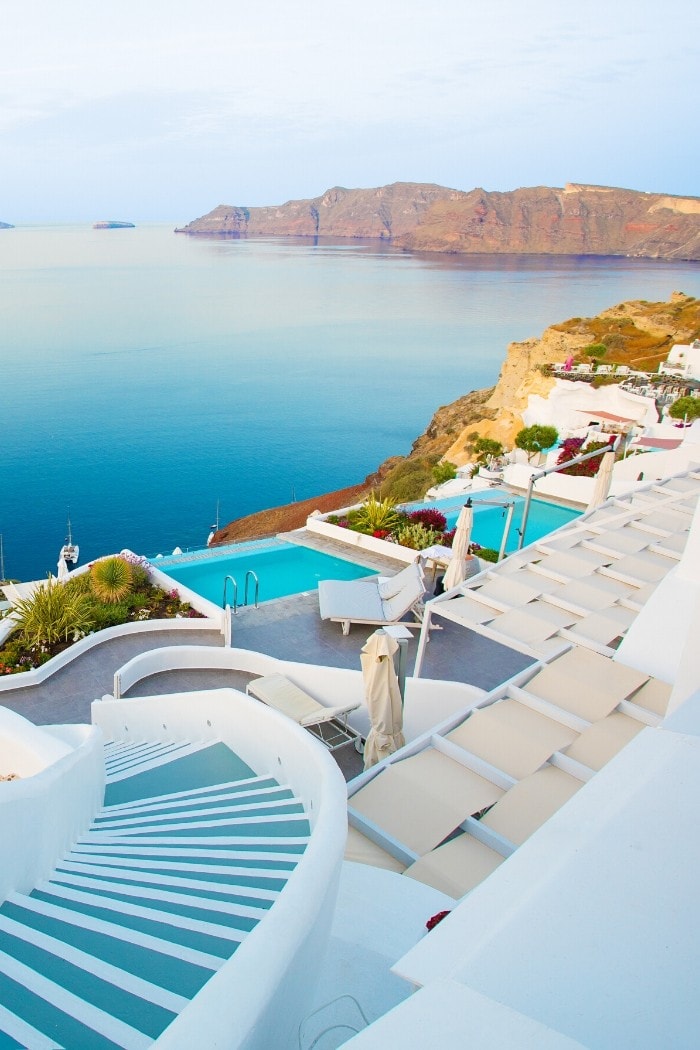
(146, 375)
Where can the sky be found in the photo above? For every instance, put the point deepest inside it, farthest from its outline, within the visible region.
(162, 109)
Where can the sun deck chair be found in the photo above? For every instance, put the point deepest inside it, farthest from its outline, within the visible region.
(375, 601)
(279, 692)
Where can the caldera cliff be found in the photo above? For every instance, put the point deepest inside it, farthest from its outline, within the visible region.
(636, 333)
(573, 220)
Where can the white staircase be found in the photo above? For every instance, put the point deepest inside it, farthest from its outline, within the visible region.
(185, 858)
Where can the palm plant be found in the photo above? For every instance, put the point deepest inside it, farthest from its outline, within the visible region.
(53, 613)
(377, 514)
(111, 579)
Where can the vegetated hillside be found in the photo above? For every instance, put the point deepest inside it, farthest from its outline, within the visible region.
(574, 220)
(636, 333)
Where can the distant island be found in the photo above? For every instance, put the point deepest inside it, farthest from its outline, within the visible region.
(6, 226)
(573, 220)
(112, 224)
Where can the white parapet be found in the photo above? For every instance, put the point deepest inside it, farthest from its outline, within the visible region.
(59, 788)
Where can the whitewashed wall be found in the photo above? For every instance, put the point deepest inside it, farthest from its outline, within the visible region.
(42, 815)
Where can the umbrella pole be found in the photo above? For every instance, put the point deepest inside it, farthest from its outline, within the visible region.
(506, 531)
(401, 670)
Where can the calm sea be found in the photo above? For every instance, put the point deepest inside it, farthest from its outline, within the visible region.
(146, 375)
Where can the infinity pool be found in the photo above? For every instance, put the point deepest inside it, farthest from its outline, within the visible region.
(281, 568)
(490, 521)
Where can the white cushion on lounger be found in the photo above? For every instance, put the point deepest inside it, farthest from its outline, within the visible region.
(277, 691)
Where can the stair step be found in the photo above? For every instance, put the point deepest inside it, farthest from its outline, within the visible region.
(203, 801)
(203, 815)
(207, 764)
(179, 969)
(140, 752)
(156, 759)
(55, 1011)
(223, 886)
(263, 878)
(240, 906)
(130, 999)
(106, 971)
(16, 1034)
(290, 844)
(166, 924)
(193, 794)
(244, 855)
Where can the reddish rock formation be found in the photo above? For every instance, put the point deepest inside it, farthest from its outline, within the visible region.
(575, 220)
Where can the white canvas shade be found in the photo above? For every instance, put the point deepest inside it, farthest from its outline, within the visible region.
(382, 697)
(457, 569)
(422, 799)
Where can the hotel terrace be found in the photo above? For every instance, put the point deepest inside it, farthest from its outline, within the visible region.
(186, 866)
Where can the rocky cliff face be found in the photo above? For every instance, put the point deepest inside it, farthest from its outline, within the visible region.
(575, 220)
(639, 334)
(636, 333)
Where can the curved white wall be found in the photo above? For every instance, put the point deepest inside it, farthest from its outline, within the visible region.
(42, 815)
(427, 702)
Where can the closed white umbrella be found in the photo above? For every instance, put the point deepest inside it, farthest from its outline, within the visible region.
(457, 569)
(383, 698)
(602, 480)
(63, 573)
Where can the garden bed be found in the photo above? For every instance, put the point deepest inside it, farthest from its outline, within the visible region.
(57, 615)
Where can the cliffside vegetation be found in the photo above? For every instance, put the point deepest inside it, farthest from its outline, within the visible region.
(638, 333)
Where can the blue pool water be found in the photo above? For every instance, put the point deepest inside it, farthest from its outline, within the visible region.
(489, 521)
(282, 569)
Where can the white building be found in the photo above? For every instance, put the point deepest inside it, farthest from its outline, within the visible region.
(683, 361)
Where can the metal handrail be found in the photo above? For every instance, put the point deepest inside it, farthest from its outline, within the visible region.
(553, 470)
(235, 593)
(257, 587)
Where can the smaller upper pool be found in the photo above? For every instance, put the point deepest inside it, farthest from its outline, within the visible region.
(281, 569)
(490, 521)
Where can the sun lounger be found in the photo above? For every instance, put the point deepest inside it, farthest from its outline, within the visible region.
(374, 601)
(279, 692)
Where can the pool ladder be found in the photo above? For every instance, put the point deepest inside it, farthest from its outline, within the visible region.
(248, 576)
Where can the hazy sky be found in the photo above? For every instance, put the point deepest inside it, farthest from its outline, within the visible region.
(162, 109)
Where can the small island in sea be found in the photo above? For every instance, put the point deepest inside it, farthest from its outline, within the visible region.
(112, 224)
(6, 226)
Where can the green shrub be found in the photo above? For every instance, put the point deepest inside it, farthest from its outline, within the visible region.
(485, 449)
(417, 536)
(595, 350)
(410, 480)
(487, 554)
(685, 407)
(109, 614)
(535, 438)
(55, 612)
(443, 472)
(111, 579)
